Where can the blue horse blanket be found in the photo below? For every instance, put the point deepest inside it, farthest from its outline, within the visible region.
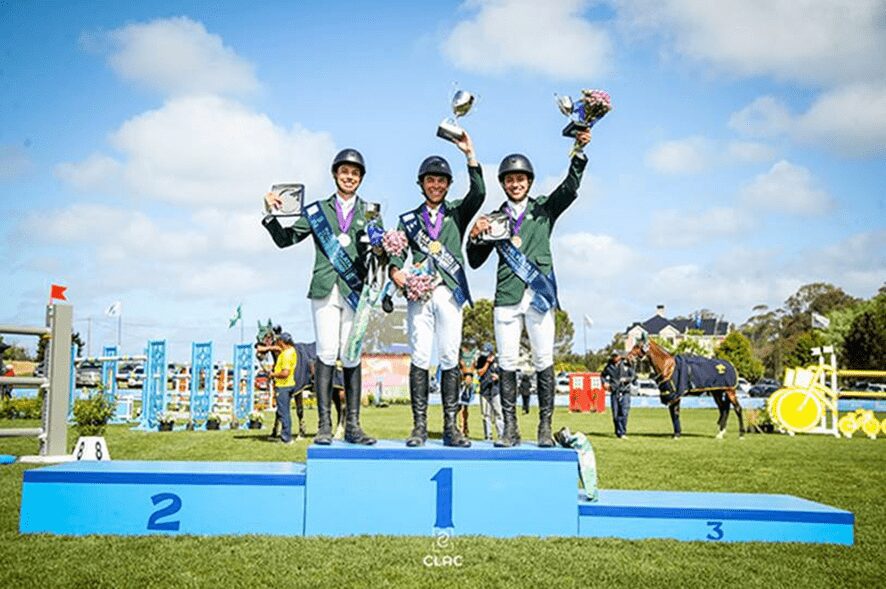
(694, 375)
(307, 354)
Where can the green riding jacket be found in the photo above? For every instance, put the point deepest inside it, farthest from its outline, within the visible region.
(324, 275)
(535, 233)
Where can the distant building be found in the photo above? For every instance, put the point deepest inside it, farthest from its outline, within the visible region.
(708, 332)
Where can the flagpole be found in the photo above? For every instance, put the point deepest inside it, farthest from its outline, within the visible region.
(241, 325)
(119, 330)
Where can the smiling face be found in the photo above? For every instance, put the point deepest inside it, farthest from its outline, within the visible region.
(347, 179)
(516, 185)
(434, 188)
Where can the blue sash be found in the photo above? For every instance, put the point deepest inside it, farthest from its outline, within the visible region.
(544, 287)
(444, 259)
(338, 257)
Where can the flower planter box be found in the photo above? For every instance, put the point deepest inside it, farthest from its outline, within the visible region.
(212, 425)
(165, 427)
(255, 425)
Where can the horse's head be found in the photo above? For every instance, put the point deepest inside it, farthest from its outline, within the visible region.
(641, 347)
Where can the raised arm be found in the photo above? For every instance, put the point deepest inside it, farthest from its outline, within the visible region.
(473, 200)
(566, 193)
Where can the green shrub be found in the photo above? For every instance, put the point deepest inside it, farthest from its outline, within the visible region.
(21, 408)
(92, 415)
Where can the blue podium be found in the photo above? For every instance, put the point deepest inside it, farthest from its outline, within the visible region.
(120, 497)
(391, 489)
(724, 517)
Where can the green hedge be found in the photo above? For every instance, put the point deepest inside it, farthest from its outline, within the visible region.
(20, 408)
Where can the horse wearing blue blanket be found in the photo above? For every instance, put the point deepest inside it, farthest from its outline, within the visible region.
(682, 375)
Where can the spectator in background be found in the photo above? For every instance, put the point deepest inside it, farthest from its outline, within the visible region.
(490, 399)
(5, 390)
(466, 363)
(618, 375)
(525, 390)
(284, 383)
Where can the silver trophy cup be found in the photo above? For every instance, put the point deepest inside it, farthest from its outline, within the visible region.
(499, 227)
(449, 129)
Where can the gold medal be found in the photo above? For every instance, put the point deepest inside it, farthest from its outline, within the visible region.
(516, 241)
(435, 247)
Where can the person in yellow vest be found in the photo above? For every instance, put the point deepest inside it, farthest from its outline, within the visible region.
(284, 383)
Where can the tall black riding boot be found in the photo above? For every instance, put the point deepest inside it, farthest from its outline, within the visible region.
(323, 386)
(511, 435)
(545, 407)
(449, 392)
(418, 394)
(354, 434)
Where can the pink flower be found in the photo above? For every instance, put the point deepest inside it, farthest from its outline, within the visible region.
(394, 242)
(420, 287)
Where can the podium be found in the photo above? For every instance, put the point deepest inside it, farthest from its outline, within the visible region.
(719, 517)
(128, 498)
(391, 489)
(347, 490)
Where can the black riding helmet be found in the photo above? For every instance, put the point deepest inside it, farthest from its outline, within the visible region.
(516, 162)
(436, 166)
(349, 156)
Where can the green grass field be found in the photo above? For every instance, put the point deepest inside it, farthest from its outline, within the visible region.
(849, 474)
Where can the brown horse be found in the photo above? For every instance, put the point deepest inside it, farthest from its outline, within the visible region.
(675, 378)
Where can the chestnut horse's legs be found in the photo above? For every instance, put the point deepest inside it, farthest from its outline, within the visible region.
(733, 398)
(674, 410)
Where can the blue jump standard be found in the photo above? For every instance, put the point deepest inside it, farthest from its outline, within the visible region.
(723, 517)
(390, 489)
(127, 498)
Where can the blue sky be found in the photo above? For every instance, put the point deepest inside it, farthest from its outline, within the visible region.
(744, 157)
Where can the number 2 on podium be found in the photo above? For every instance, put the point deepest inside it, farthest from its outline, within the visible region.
(443, 478)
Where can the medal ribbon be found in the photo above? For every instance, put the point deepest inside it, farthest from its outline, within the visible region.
(344, 222)
(515, 223)
(435, 229)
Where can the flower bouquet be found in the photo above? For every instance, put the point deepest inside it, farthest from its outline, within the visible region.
(420, 283)
(584, 112)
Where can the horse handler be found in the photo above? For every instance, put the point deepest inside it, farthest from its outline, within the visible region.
(526, 290)
(618, 376)
(338, 228)
(436, 232)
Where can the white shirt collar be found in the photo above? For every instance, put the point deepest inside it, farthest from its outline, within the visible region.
(518, 207)
(346, 205)
(432, 211)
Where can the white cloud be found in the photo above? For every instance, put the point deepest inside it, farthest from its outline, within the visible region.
(551, 38)
(808, 41)
(177, 56)
(673, 228)
(696, 154)
(850, 120)
(14, 162)
(787, 188)
(208, 151)
(764, 117)
(582, 254)
(680, 156)
(750, 152)
(95, 173)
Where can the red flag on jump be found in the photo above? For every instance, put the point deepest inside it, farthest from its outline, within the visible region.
(57, 292)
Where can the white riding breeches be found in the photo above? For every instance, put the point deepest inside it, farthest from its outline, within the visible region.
(333, 318)
(509, 321)
(438, 319)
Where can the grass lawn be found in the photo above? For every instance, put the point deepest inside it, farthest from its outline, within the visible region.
(849, 474)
